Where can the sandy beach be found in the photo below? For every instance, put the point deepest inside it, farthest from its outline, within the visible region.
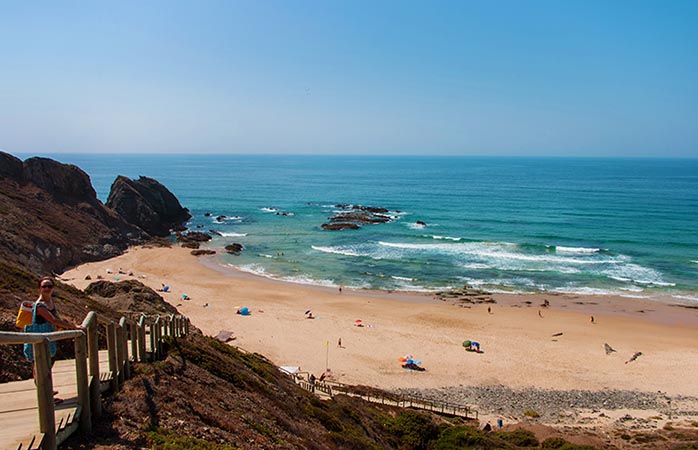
(524, 345)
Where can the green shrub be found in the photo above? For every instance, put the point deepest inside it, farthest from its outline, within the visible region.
(162, 439)
(531, 413)
(561, 444)
(553, 442)
(463, 437)
(413, 429)
(520, 438)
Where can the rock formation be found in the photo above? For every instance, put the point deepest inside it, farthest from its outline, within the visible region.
(234, 248)
(147, 204)
(351, 217)
(51, 217)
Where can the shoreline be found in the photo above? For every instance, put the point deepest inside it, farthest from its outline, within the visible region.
(601, 304)
(525, 346)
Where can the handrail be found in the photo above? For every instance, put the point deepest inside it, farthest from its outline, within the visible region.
(10, 337)
(331, 388)
(87, 350)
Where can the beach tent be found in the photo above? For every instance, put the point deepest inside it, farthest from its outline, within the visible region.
(244, 311)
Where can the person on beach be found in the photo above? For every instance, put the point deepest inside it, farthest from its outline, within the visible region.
(46, 312)
(339, 343)
(592, 319)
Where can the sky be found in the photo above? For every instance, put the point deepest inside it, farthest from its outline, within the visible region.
(512, 78)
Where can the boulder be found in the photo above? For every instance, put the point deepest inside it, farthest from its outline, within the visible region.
(203, 252)
(148, 204)
(234, 248)
(193, 236)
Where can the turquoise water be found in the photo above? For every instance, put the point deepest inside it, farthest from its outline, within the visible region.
(623, 226)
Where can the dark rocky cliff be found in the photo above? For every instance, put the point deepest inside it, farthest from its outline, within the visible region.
(50, 217)
(147, 204)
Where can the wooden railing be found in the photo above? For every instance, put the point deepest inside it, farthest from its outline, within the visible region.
(89, 387)
(332, 388)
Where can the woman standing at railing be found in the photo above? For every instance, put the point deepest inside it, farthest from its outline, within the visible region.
(45, 312)
(46, 307)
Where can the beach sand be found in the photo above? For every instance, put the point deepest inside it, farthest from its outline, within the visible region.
(519, 347)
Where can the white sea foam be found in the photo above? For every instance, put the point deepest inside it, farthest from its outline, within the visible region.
(583, 290)
(336, 250)
(234, 234)
(304, 279)
(254, 269)
(394, 277)
(692, 298)
(264, 255)
(576, 250)
(269, 209)
(634, 273)
(477, 266)
(415, 226)
(446, 238)
(632, 289)
(499, 251)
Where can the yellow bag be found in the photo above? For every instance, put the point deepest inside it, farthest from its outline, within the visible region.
(24, 316)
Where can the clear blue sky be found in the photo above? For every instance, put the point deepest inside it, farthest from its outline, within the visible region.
(596, 78)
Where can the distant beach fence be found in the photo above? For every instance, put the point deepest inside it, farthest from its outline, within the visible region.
(331, 388)
(145, 335)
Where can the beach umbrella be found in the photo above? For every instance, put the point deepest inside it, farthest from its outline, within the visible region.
(307, 312)
(357, 321)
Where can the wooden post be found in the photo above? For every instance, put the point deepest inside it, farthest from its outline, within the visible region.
(124, 344)
(152, 341)
(186, 326)
(44, 394)
(111, 349)
(140, 331)
(83, 384)
(133, 333)
(120, 353)
(157, 331)
(93, 349)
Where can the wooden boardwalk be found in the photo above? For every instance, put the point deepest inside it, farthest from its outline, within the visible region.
(29, 419)
(19, 409)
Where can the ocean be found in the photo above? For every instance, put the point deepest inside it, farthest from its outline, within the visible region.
(566, 225)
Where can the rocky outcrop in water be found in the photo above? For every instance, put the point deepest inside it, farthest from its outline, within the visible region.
(148, 204)
(234, 248)
(351, 217)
